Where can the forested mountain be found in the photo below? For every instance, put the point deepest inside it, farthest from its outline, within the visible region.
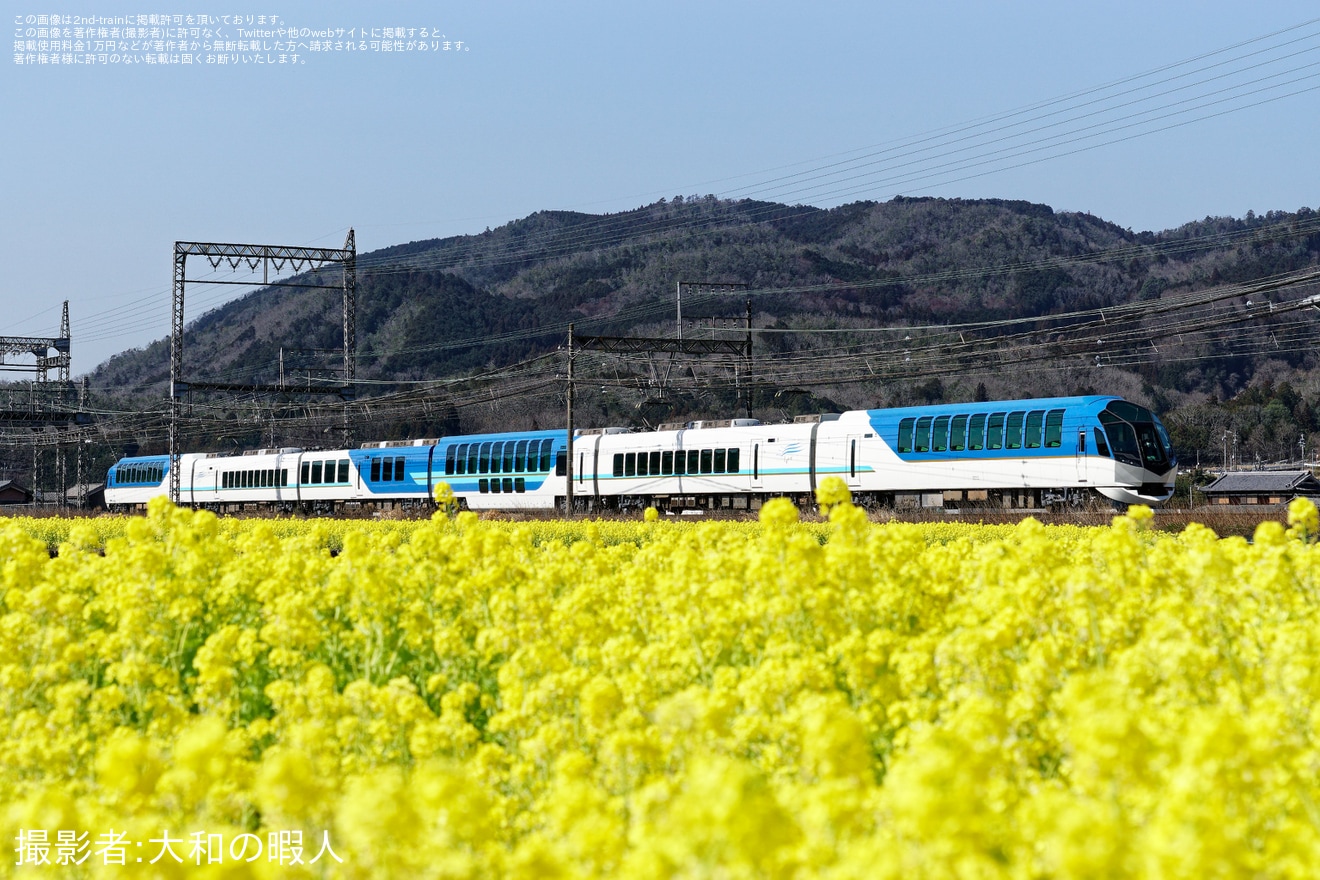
(456, 306)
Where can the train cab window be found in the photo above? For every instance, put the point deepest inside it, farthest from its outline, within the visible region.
(1054, 429)
(483, 464)
(939, 441)
(721, 456)
(618, 464)
(546, 448)
(343, 470)
(520, 457)
(509, 448)
(451, 461)
(958, 433)
(655, 464)
(922, 442)
(693, 461)
(705, 461)
(1031, 434)
(1100, 445)
(732, 462)
(994, 431)
(496, 457)
(1013, 431)
(905, 435)
(630, 464)
(667, 463)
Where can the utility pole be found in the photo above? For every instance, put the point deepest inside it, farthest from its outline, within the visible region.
(568, 454)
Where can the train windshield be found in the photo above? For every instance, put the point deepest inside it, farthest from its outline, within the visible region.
(1137, 437)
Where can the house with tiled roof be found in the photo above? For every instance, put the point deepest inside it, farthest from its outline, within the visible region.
(1262, 487)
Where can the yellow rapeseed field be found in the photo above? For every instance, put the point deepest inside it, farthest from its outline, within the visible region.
(190, 697)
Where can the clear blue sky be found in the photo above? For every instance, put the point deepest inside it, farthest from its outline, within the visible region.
(604, 106)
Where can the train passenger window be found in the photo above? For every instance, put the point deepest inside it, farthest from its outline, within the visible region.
(680, 463)
(398, 470)
(618, 464)
(267, 478)
(732, 464)
(561, 464)
(247, 479)
(642, 464)
(284, 477)
(667, 463)
(519, 484)
(655, 463)
(451, 460)
(496, 457)
(693, 461)
(1100, 445)
(958, 433)
(508, 484)
(922, 442)
(720, 457)
(1054, 429)
(460, 458)
(483, 465)
(905, 435)
(994, 432)
(343, 470)
(705, 461)
(546, 447)
(520, 457)
(630, 464)
(472, 453)
(316, 472)
(1013, 432)
(1031, 435)
(483, 486)
(375, 471)
(940, 437)
(509, 448)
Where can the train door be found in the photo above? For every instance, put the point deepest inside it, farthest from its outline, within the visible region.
(756, 465)
(1080, 458)
(852, 461)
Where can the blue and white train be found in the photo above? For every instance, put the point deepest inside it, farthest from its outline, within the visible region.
(1015, 453)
